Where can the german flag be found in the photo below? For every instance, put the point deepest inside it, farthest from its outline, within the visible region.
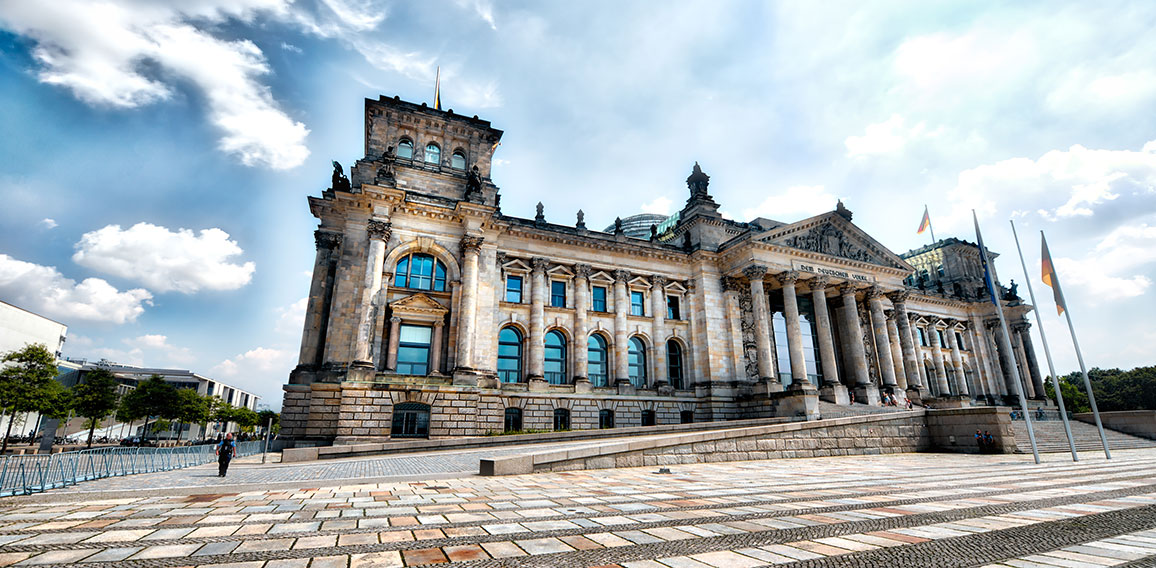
(925, 223)
(1049, 275)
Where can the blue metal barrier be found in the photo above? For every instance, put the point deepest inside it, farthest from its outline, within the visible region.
(24, 475)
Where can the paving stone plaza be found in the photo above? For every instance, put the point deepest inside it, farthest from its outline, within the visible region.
(897, 510)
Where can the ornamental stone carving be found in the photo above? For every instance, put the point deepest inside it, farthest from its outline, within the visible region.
(539, 264)
(327, 240)
(848, 288)
(732, 284)
(874, 292)
(583, 271)
(829, 240)
(380, 230)
(820, 283)
(755, 272)
(898, 296)
(621, 275)
(471, 244)
(789, 277)
(659, 281)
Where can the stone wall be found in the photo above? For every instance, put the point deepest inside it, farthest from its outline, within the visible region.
(1135, 422)
(953, 429)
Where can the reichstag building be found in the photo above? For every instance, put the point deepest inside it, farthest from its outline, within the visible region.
(433, 314)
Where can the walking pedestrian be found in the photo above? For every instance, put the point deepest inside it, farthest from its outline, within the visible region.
(226, 451)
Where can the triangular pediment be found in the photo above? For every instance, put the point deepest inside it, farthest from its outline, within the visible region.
(418, 303)
(831, 234)
(602, 277)
(515, 265)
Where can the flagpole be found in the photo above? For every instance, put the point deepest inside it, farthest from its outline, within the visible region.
(930, 227)
(1080, 358)
(1005, 344)
(1047, 351)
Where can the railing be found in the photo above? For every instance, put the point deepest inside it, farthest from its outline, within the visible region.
(24, 475)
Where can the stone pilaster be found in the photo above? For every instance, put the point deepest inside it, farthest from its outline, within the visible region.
(956, 362)
(658, 330)
(879, 332)
(435, 356)
(762, 323)
(379, 232)
(467, 305)
(794, 330)
(537, 345)
(581, 327)
(316, 311)
(937, 359)
(621, 308)
(394, 337)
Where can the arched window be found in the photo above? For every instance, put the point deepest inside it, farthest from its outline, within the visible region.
(674, 363)
(513, 420)
(410, 420)
(433, 154)
(509, 355)
(458, 160)
(605, 418)
(420, 271)
(405, 149)
(636, 357)
(596, 360)
(648, 418)
(561, 418)
(555, 370)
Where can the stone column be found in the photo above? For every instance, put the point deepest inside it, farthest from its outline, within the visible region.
(832, 390)
(391, 353)
(906, 344)
(1025, 376)
(537, 346)
(435, 356)
(956, 362)
(1033, 364)
(316, 314)
(864, 390)
(471, 248)
(937, 359)
(917, 349)
(581, 331)
(896, 351)
(621, 308)
(973, 361)
(794, 329)
(755, 274)
(882, 342)
(658, 330)
(379, 232)
(1006, 361)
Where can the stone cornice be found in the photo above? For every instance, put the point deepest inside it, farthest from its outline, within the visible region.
(746, 250)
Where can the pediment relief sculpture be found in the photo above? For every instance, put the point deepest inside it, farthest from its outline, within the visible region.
(418, 304)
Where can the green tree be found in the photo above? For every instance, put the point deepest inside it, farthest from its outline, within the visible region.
(95, 398)
(270, 419)
(246, 418)
(1075, 400)
(152, 397)
(192, 408)
(24, 383)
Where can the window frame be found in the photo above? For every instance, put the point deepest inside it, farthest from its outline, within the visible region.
(674, 364)
(554, 377)
(454, 160)
(437, 151)
(673, 307)
(605, 419)
(402, 345)
(594, 300)
(557, 300)
(513, 416)
(521, 288)
(598, 379)
(403, 273)
(636, 361)
(520, 357)
(638, 308)
(405, 143)
(649, 418)
(562, 419)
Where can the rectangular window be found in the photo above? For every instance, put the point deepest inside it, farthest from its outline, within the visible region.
(636, 304)
(514, 289)
(557, 294)
(599, 303)
(942, 340)
(959, 340)
(672, 311)
(922, 336)
(413, 349)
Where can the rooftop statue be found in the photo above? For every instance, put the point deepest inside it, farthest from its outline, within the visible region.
(340, 182)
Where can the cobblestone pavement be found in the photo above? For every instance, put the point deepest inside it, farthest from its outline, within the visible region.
(894, 510)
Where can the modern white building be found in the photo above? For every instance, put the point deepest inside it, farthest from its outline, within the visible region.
(20, 327)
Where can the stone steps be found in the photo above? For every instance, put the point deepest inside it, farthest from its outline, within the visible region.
(1050, 437)
(831, 410)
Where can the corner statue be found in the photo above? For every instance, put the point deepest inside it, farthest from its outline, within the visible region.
(474, 185)
(340, 182)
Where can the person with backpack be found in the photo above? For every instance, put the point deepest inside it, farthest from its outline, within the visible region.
(226, 451)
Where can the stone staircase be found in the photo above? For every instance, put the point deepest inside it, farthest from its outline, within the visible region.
(831, 410)
(1050, 437)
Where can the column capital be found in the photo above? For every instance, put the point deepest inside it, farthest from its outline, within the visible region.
(789, 277)
(472, 244)
(657, 281)
(394, 319)
(327, 239)
(732, 284)
(874, 292)
(621, 276)
(690, 284)
(583, 271)
(819, 283)
(538, 264)
(379, 230)
(848, 288)
(934, 321)
(755, 272)
(438, 324)
(898, 296)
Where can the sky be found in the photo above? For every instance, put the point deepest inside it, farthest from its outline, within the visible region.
(156, 155)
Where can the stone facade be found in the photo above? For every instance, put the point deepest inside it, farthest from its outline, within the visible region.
(431, 313)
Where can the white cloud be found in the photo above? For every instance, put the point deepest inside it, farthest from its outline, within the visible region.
(262, 365)
(290, 47)
(126, 54)
(165, 260)
(160, 348)
(291, 318)
(660, 205)
(888, 137)
(793, 203)
(44, 290)
(483, 8)
(48, 223)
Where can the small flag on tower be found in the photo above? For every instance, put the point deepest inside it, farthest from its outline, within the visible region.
(1049, 275)
(925, 223)
(438, 90)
